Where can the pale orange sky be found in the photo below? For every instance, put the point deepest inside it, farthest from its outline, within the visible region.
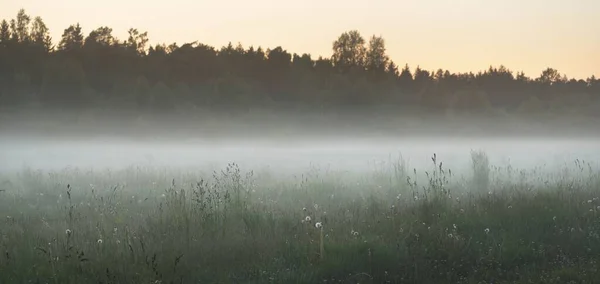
(458, 35)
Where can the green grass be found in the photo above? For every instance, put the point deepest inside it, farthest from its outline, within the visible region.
(394, 225)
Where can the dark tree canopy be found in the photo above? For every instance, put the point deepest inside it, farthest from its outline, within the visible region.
(100, 70)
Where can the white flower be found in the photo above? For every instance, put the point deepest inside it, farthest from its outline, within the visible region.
(307, 219)
(454, 225)
(318, 225)
(303, 208)
(316, 207)
(68, 232)
(554, 218)
(487, 230)
(99, 241)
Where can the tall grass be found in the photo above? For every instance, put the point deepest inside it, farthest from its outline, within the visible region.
(147, 225)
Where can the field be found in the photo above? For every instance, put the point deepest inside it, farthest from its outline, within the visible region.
(487, 224)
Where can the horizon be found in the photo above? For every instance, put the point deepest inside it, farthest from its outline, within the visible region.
(478, 33)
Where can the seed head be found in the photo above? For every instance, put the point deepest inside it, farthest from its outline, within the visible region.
(100, 241)
(307, 219)
(487, 230)
(68, 232)
(318, 225)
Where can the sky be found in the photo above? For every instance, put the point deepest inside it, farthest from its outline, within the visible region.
(457, 35)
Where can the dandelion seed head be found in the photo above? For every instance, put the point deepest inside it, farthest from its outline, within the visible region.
(100, 241)
(68, 232)
(307, 219)
(487, 230)
(318, 225)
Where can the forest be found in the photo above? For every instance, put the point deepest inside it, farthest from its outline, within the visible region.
(100, 71)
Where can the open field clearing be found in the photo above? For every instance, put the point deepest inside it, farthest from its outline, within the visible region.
(390, 223)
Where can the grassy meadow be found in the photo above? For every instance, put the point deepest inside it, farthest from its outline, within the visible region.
(395, 224)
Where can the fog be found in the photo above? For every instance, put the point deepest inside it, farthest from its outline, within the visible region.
(290, 155)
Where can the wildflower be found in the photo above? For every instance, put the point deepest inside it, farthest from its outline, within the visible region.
(115, 230)
(355, 233)
(303, 208)
(450, 235)
(487, 230)
(509, 206)
(316, 207)
(454, 226)
(307, 219)
(554, 218)
(590, 201)
(68, 232)
(399, 195)
(100, 241)
(318, 225)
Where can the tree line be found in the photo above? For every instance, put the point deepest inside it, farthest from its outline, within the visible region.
(98, 70)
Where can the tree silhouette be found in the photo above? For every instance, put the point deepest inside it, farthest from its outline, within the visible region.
(101, 70)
